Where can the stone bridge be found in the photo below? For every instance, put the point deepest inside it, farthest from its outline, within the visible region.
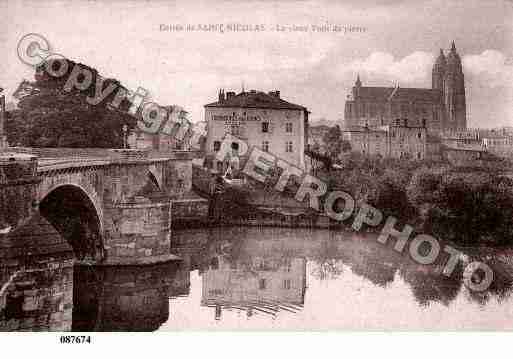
(113, 207)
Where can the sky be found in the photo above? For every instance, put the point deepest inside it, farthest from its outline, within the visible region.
(397, 43)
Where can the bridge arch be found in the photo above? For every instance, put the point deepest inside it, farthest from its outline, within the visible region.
(73, 213)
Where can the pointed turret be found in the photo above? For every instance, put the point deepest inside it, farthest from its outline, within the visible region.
(438, 72)
(357, 86)
(454, 91)
(358, 83)
(453, 59)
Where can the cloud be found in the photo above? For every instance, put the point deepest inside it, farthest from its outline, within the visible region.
(490, 67)
(382, 66)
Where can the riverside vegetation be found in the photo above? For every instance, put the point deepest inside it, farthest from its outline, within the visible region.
(470, 206)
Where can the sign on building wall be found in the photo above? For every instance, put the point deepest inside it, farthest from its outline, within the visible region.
(235, 118)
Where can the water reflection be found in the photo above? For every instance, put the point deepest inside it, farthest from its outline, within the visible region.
(260, 283)
(241, 274)
(122, 298)
(259, 278)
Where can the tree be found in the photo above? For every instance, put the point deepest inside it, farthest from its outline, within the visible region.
(346, 146)
(333, 141)
(48, 116)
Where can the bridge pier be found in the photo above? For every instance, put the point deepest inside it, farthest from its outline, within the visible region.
(138, 233)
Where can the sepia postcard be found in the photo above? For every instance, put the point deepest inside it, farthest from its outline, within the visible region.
(255, 166)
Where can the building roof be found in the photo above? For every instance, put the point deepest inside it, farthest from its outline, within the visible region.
(384, 94)
(362, 129)
(375, 93)
(256, 99)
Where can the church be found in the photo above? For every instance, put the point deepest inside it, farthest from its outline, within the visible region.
(439, 108)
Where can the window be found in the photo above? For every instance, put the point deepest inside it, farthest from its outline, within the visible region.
(235, 147)
(265, 126)
(262, 283)
(372, 110)
(420, 135)
(217, 146)
(288, 146)
(265, 146)
(178, 145)
(235, 130)
(286, 284)
(288, 127)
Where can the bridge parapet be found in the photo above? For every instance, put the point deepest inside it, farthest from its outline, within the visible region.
(130, 154)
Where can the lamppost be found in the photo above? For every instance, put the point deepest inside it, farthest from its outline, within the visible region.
(125, 130)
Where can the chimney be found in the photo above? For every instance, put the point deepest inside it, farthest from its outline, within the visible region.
(405, 121)
(275, 94)
(230, 94)
(221, 95)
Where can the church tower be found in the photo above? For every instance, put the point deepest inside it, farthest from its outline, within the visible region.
(438, 73)
(454, 92)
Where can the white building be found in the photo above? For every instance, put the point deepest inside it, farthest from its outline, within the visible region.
(260, 119)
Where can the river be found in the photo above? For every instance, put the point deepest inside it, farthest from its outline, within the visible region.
(284, 279)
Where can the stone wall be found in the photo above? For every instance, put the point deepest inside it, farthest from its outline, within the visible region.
(36, 279)
(18, 189)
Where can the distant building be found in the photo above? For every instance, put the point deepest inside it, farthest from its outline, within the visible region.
(316, 138)
(466, 157)
(441, 107)
(169, 138)
(469, 138)
(496, 141)
(498, 144)
(261, 119)
(398, 140)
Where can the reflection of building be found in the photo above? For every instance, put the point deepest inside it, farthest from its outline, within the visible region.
(261, 119)
(441, 107)
(262, 284)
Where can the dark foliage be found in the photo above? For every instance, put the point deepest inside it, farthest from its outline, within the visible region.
(50, 116)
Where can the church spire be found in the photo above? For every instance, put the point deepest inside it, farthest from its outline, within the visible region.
(453, 46)
(438, 72)
(358, 83)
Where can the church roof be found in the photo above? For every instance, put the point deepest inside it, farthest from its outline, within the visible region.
(384, 94)
(417, 94)
(256, 99)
